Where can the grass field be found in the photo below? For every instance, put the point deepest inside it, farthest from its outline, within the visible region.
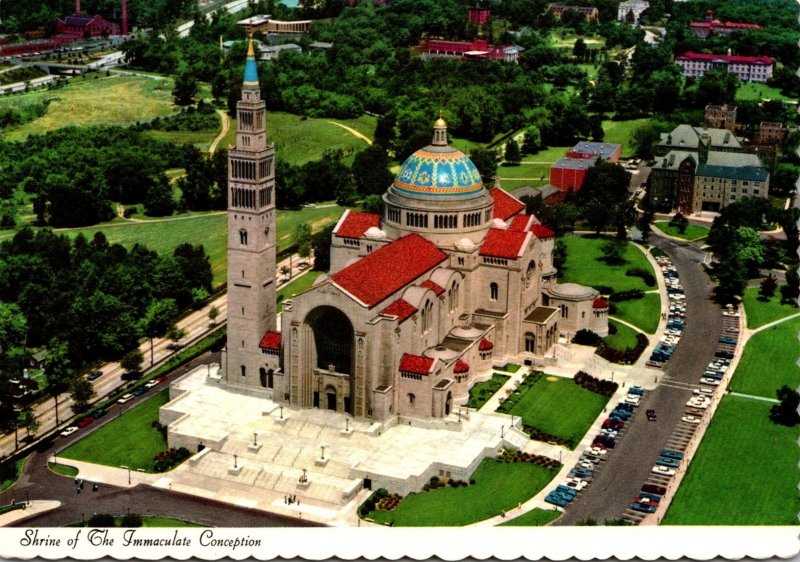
(481, 392)
(208, 229)
(722, 486)
(753, 91)
(514, 177)
(114, 100)
(499, 486)
(643, 313)
(534, 518)
(63, 469)
(559, 407)
(296, 286)
(584, 266)
(619, 132)
(759, 313)
(128, 440)
(5, 484)
(623, 339)
(693, 231)
(769, 361)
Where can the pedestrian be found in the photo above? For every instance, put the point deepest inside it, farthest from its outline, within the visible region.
(503, 514)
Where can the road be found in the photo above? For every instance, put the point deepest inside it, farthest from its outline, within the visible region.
(196, 324)
(628, 466)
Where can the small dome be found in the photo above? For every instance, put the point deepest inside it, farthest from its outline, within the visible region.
(466, 332)
(465, 245)
(440, 123)
(440, 352)
(375, 233)
(499, 223)
(572, 291)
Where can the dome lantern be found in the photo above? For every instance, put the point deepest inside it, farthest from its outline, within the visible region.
(440, 132)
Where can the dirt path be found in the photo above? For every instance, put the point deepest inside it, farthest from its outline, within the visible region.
(226, 124)
(352, 131)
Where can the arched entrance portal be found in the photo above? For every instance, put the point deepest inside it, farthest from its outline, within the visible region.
(329, 357)
(448, 403)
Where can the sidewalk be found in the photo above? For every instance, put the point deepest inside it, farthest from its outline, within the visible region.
(33, 508)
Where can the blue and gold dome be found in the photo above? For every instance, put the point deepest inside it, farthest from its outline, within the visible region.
(438, 170)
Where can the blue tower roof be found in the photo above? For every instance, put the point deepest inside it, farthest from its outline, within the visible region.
(250, 69)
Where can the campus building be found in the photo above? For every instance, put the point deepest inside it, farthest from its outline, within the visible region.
(558, 10)
(748, 69)
(569, 172)
(477, 49)
(631, 10)
(704, 169)
(721, 117)
(419, 301)
(711, 26)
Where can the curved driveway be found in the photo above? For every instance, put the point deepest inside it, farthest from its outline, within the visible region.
(628, 466)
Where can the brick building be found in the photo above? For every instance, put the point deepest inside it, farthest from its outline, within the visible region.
(748, 69)
(711, 26)
(569, 172)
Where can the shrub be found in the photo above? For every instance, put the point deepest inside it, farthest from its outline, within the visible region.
(646, 276)
(131, 520)
(593, 384)
(633, 294)
(626, 356)
(101, 520)
(586, 337)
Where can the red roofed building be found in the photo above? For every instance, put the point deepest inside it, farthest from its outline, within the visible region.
(419, 301)
(86, 26)
(477, 49)
(748, 69)
(711, 26)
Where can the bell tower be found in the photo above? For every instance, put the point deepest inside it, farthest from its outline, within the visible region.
(251, 236)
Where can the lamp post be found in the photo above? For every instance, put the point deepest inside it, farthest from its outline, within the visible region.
(254, 439)
(27, 497)
(129, 473)
(323, 451)
(235, 458)
(347, 424)
(281, 407)
(502, 431)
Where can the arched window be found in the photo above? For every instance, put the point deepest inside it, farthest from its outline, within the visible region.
(530, 342)
(262, 376)
(411, 399)
(271, 378)
(494, 291)
(243, 237)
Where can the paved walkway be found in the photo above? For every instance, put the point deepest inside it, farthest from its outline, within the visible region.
(226, 123)
(763, 398)
(31, 509)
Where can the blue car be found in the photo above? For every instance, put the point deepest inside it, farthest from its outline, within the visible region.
(638, 390)
(669, 453)
(655, 497)
(556, 500)
(643, 507)
(671, 463)
(566, 490)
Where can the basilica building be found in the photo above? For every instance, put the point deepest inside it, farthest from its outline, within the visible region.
(420, 300)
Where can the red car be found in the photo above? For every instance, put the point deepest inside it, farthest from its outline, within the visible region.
(85, 421)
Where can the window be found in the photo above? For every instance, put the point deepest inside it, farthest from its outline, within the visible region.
(244, 369)
(494, 291)
(243, 239)
(530, 342)
(564, 311)
(411, 398)
(460, 261)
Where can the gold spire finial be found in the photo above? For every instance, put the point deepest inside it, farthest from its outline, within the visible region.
(251, 52)
(440, 122)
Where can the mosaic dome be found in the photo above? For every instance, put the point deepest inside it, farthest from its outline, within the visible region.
(438, 171)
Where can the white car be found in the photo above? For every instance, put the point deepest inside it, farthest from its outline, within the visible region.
(709, 381)
(69, 431)
(663, 470)
(587, 465)
(126, 398)
(632, 399)
(704, 391)
(576, 484)
(151, 383)
(597, 451)
(690, 419)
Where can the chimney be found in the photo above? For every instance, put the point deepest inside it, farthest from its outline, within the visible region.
(77, 7)
(124, 18)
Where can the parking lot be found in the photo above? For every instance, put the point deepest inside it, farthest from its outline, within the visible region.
(630, 466)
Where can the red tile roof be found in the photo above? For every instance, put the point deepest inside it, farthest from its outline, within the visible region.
(354, 224)
(485, 345)
(716, 24)
(521, 222)
(689, 55)
(461, 367)
(416, 364)
(506, 244)
(541, 231)
(505, 205)
(432, 286)
(599, 303)
(400, 308)
(271, 340)
(377, 276)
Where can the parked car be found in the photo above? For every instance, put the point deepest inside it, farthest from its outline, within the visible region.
(664, 461)
(126, 398)
(643, 507)
(151, 383)
(85, 421)
(69, 431)
(663, 470)
(652, 498)
(704, 391)
(709, 381)
(99, 413)
(139, 391)
(94, 375)
(654, 489)
(691, 419)
(556, 500)
(651, 415)
(670, 454)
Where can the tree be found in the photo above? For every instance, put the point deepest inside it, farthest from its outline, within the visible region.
(81, 391)
(716, 86)
(679, 222)
(9, 419)
(158, 201)
(512, 153)
(644, 224)
(533, 140)
(175, 334)
(791, 290)
(321, 245)
(302, 239)
(30, 422)
(157, 319)
(579, 50)
(785, 413)
(614, 252)
(131, 520)
(185, 88)
(56, 364)
(13, 327)
(371, 170)
(768, 287)
(485, 159)
(213, 314)
(560, 255)
(132, 362)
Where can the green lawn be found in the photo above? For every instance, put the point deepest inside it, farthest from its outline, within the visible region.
(753, 91)
(63, 469)
(481, 392)
(5, 484)
(499, 486)
(559, 407)
(534, 518)
(619, 132)
(759, 312)
(298, 285)
(547, 155)
(769, 361)
(744, 473)
(128, 440)
(114, 100)
(523, 175)
(623, 339)
(693, 231)
(584, 266)
(643, 313)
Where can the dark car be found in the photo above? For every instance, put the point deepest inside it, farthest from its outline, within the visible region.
(85, 421)
(99, 414)
(94, 375)
(651, 415)
(139, 391)
(654, 489)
